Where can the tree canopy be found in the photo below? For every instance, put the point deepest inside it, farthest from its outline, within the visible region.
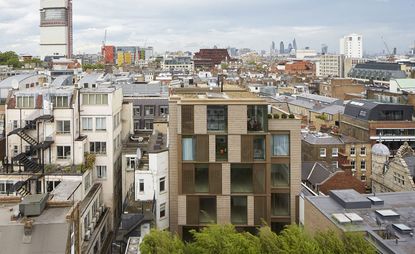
(10, 58)
(221, 239)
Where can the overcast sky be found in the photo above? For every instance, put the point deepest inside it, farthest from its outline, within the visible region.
(192, 24)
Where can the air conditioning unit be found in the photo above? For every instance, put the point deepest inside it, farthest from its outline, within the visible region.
(87, 235)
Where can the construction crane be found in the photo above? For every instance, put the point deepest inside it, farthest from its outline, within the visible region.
(390, 56)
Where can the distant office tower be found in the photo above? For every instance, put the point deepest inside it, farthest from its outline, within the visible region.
(324, 49)
(56, 28)
(290, 47)
(352, 46)
(294, 44)
(272, 51)
(282, 49)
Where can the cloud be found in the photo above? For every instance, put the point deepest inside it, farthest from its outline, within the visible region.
(190, 24)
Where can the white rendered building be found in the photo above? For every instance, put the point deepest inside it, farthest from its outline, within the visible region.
(352, 46)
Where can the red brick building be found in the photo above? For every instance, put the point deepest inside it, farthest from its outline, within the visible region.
(300, 67)
(208, 58)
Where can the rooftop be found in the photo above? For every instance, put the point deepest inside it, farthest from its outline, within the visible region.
(377, 218)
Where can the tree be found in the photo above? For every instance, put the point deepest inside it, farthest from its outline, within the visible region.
(293, 239)
(223, 239)
(330, 242)
(355, 243)
(10, 58)
(161, 242)
(97, 66)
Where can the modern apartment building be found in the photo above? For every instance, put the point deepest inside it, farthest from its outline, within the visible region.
(229, 163)
(330, 66)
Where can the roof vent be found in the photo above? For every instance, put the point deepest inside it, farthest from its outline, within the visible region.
(350, 199)
(354, 217)
(33, 205)
(376, 200)
(388, 214)
(402, 228)
(341, 218)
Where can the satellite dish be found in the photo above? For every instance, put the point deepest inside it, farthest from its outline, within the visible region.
(15, 84)
(138, 154)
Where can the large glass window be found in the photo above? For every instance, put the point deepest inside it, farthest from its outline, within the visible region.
(98, 147)
(257, 118)
(207, 210)
(188, 149)
(137, 111)
(63, 127)
(239, 210)
(280, 204)
(280, 175)
(101, 171)
(60, 101)
(221, 148)
(63, 152)
(217, 118)
(25, 101)
(100, 124)
(95, 99)
(241, 178)
(259, 148)
(202, 178)
(280, 145)
(87, 123)
(149, 110)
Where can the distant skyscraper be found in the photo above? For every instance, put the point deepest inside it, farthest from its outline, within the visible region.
(324, 49)
(272, 51)
(282, 48)
(56, 37)
(290, 47)
(352, 46)
(294, 44)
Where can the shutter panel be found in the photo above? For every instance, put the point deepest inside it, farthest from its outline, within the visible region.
(259, 178)
(260, 210)
(215, 178)
(192, 210)
(187, 119)
(247, 151)
(188, 178)
(202, 148)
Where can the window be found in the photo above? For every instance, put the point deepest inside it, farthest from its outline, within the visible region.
(363, 151)
(280, 145)
(335, 164)
(207, 210)
(241, 178)
(363, 165)
(87, 123)
(201, 178)
(221, 148)
(87, 181)
(15, 124)
(95, 99)
(363, 178)
(15, 150)
(162, 210)
(63, 127)
(117, 120)
(100, 124)
(137, 111)
(280, 204)
(164, 110)
(334, 152)
(149, 110)
(239, 209)
(148, 124)
(60, 101)
(352, 151)
(131, 162)
(322, 152)
(257, 118)
(6, 187)
(136, 125)
(162, 186)
(141, 185)
(63, 152)
(259, 148)
(217, 118)
(280, 175)
(188, 148)
(98, 147)
(101, 171)
(353, 163)
(25, 101)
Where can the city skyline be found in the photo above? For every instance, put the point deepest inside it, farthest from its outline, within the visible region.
(165, 25)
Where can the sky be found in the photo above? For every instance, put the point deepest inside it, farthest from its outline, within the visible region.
(188, 25)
